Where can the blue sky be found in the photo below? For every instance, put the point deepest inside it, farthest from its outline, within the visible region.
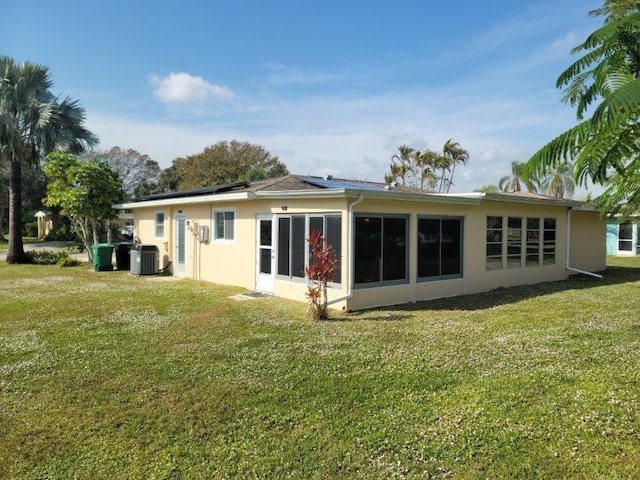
(331, 87)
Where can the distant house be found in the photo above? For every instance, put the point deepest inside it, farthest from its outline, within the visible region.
(622, 237)
(396, 244)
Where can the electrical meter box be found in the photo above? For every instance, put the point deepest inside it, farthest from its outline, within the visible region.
(203, 233)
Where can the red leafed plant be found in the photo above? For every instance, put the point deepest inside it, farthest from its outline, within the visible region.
(322, 266)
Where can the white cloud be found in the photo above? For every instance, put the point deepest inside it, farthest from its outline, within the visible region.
(184, 88)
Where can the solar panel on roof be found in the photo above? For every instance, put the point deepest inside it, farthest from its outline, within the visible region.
(339, 184)
(194, 192)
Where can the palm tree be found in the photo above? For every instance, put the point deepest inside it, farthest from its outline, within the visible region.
(442, 164)
(605, 147)
(425, 169)
(559, 181)
(401, 163)
(33, 122)
(517, 180)
(456, 154)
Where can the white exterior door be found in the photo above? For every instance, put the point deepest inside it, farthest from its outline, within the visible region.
(265, 255)
(180, 257)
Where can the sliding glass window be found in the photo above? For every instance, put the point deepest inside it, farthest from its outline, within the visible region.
(381, 250)
(439, 248)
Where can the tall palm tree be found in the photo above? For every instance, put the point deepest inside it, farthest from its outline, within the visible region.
(426, 163)
(401, 163)
(443, 164)
(33, 122)
(559, 181)
(456, 154)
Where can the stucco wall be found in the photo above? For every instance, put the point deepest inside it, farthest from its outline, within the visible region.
(588, 241)
(235, 263)
(476, 278)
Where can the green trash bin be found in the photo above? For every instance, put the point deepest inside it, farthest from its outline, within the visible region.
(102, 257)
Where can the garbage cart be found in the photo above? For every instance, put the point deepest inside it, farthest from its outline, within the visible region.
(102, 257)
(123, 255)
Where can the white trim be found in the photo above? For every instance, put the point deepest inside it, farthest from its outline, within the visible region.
(214, 230)
(225, 197)
(156, 224)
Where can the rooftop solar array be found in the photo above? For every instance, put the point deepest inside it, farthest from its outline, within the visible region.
(193, 193)
(343, 184)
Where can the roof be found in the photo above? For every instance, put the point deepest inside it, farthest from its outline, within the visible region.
(313, 186)
(194, 192)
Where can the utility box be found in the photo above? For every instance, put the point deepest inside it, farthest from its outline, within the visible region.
(102, 257)
(144, 259)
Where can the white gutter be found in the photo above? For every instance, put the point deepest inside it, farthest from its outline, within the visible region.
(567, 266)
(350, 238)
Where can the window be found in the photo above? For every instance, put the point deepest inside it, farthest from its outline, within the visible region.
(224, 225)
(293, 248)
(625, 237)
(439, 248)
(159, 224)
(514, 242)
(533, 242)
(530, 239)
(381, 251)
(494, 243)
(549, 242)
(331, 228)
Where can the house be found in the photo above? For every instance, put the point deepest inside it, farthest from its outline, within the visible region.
(396, 244)
(622, 237)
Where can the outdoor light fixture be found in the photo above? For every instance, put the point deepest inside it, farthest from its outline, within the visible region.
(284, 208)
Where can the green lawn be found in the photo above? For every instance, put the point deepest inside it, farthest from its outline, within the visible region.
(107, 375)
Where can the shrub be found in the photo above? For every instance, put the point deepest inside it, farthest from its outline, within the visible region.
(31, 229)
(322, 265)
(51, 257)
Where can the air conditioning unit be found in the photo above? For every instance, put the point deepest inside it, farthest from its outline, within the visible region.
(144, 260)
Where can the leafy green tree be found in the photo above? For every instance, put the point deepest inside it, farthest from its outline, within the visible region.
(85, 191)
(33, 122)
(137, 172)
(223, 163)
(604, 146)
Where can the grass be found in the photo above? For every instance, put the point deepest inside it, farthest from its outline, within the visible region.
(111, 375)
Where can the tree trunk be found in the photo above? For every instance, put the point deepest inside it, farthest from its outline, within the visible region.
(15, 251)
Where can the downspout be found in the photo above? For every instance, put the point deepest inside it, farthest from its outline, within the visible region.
(567, 266)
(351, 253)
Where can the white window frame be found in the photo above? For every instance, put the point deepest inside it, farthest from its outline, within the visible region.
(158, 224)
(214, 225)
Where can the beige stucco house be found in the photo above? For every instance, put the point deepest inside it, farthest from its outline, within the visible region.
(396, 244)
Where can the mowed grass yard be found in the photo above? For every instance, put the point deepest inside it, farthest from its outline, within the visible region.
(108, 375)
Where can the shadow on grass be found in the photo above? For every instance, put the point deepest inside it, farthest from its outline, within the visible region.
(613, 275)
